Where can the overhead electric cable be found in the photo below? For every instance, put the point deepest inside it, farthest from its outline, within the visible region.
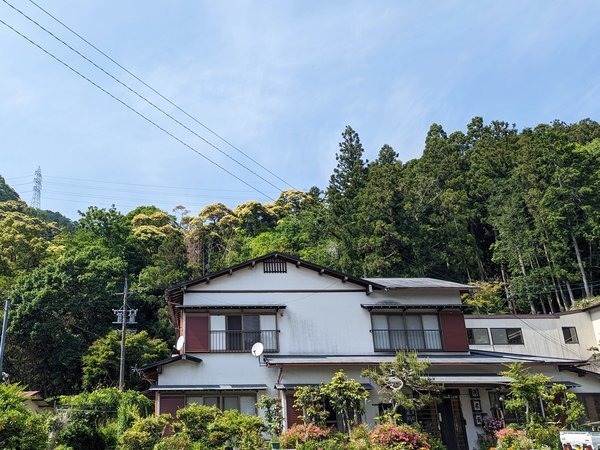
(187, 188)
(126, 86)
(160, 95)
(131, 108)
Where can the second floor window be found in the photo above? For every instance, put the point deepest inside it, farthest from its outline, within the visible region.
(239, 332)
(570, 335)
(478, 336)
(507, 336)
(392, 332)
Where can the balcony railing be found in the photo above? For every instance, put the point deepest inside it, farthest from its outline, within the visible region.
(394, 340)
(242, 341)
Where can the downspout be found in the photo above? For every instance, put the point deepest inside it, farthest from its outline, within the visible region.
(282, 399)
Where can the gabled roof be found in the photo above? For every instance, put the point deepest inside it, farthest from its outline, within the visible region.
(175, 293)
(169, 360)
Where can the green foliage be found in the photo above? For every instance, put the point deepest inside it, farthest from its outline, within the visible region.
(101, 362)
(145, 433)
(487, 299)
(525, 389)
(178, 443)
(311, 401)
(234, 429)
(347, 398)
(20, 429)
(403, 383)
(194, 421)
(6, 192)
(273, 414)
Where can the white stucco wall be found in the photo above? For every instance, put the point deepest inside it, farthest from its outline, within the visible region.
(542, 334)
(318, 319)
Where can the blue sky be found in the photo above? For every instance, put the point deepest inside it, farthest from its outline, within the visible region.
(280, 80)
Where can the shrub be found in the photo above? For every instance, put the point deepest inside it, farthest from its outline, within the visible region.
(235, 429)
(177, 443)
(194, 422)
(513, 439)
(403, 436)
(544, 436)
(145, 433)
(300, 434)
(360, 438)
(19, 427)
(78, 434)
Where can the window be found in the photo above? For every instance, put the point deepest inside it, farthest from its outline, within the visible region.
(570, 335)
(478, 336)
(243, 403)
(392, 332)
(239, 332)
(507, 336)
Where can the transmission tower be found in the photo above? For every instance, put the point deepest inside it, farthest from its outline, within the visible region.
(36, 199)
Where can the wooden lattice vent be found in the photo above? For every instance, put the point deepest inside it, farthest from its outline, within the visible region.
(275, 265)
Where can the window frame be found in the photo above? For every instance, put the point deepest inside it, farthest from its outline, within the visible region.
(405, 328)
(574, 338)
(507, 336)
(487, 335)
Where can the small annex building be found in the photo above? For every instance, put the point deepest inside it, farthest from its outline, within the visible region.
(312, 321)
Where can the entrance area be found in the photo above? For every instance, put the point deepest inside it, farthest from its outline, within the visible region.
(452, 423)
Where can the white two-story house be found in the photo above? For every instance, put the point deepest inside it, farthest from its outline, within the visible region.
(313, 321)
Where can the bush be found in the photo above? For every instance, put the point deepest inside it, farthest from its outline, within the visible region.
(232, 428)
(513, 439)
(194, 422)
(78, 434)
(20, 428)
(177, 443)
(404, 436)
(145, 433)
(300, 434)
(360, 438)
(544, 436)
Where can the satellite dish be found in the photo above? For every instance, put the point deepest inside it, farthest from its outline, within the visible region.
(257, 349)
(180, 343)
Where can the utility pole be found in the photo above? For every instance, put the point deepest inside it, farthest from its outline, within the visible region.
(3, 340)
(125, 316)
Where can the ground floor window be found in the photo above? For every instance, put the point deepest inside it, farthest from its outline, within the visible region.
(243, 403)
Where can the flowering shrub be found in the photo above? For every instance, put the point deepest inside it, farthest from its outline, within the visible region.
(491, 425)
(513, 439)
(404, 437)
(300, 433)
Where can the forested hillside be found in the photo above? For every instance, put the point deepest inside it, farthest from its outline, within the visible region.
(517, 211)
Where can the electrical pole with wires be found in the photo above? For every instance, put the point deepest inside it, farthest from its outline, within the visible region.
(3, 339)
(125, 317)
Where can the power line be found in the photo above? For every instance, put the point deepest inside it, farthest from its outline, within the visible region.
(159, 94)
(139, 184)
(126, 86)
(131, 108)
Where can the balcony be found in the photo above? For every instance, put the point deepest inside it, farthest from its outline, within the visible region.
(227, 341)
(395, 340)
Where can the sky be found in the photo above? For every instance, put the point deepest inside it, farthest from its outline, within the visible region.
(280, 80)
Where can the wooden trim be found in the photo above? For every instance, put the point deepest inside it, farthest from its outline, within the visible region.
(267, 291)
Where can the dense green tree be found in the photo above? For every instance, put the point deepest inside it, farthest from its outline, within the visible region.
(348, 179)
(58, 311)
(101, 361)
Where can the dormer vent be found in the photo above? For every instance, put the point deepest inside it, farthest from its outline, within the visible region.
(275, 265)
